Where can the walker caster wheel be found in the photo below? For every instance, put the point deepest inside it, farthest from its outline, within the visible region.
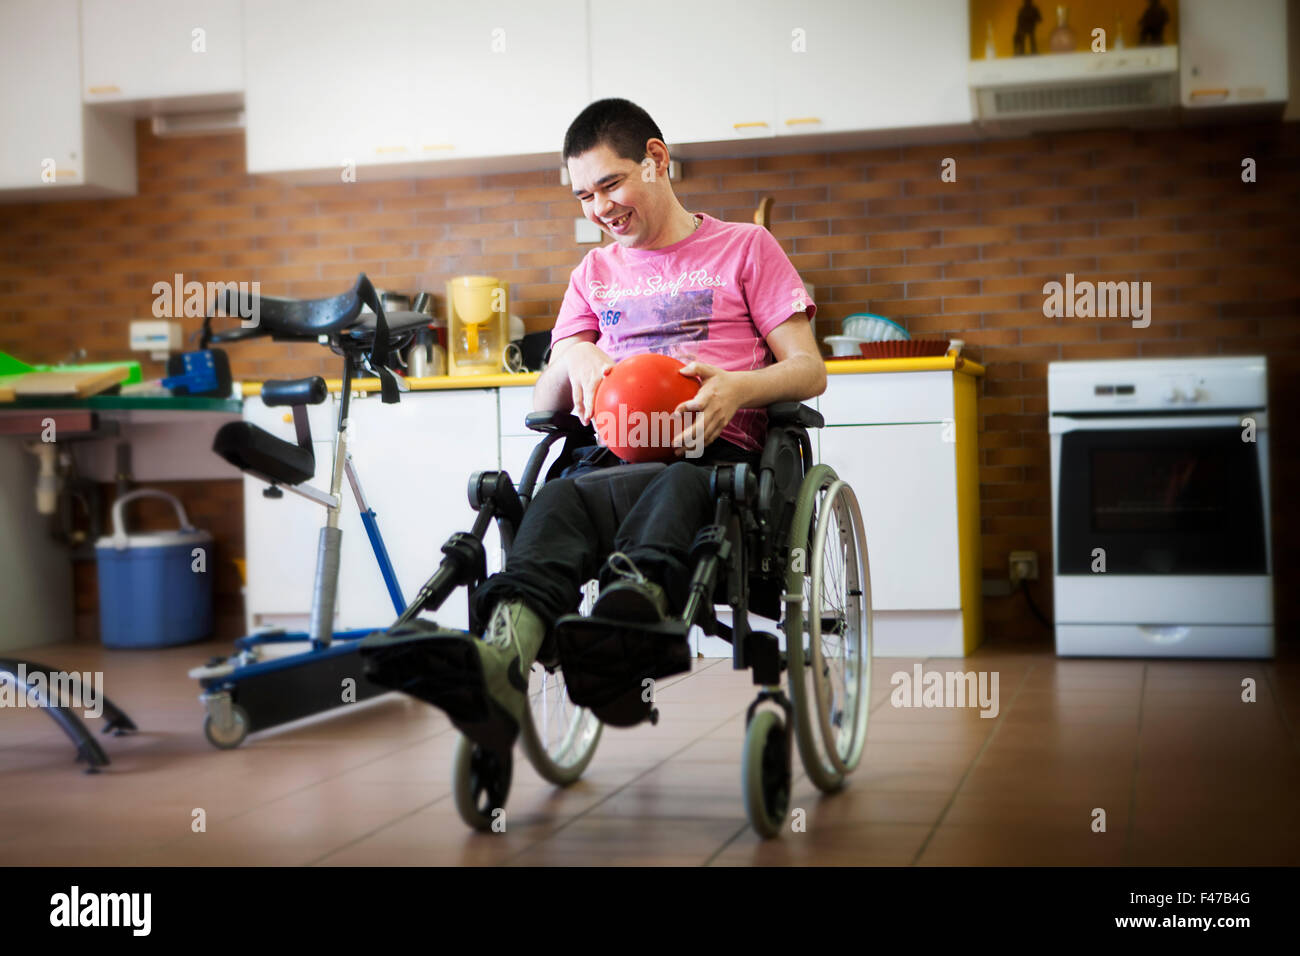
(229, 737)
(765, 774)
(480, 783)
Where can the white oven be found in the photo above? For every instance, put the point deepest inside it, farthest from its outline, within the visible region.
(1160, 508)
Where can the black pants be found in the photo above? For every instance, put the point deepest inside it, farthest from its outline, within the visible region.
(650, 512)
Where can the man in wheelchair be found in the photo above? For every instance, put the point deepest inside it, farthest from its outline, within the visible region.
(721, 297)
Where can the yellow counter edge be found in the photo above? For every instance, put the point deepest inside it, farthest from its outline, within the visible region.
(430, 384)
(938, 363)
(970, 557)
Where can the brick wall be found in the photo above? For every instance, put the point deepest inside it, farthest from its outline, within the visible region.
(875, 230)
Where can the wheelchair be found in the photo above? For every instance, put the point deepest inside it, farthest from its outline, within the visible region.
(786, 542)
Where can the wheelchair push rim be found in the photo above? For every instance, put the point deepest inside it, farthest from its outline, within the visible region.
(814, 748)
(840, 630)
(559, 737)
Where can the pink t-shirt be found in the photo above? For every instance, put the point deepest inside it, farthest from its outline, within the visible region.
(713, 297)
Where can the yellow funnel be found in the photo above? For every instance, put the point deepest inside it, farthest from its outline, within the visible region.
(472, 300)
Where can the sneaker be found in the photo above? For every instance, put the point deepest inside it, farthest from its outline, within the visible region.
(632, 597)
(505, 655)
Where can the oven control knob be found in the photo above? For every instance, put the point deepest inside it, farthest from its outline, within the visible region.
(1173, 394)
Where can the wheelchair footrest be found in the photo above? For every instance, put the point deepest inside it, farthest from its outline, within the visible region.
(425, 661)
(606, 663)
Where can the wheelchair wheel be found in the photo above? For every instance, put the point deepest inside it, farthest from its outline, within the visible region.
(765, 774)
(828, 628)
(840, 636)
(558, 737)
(480, 783)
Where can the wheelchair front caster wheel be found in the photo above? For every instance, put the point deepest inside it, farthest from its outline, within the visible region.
(480, 783)
(765, 773)
(229, 737)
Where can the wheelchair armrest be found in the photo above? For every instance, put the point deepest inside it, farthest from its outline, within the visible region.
(563, 423)
(794, 413)
(295, 391)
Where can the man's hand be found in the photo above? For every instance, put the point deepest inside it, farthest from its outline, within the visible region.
(569, 381)
(588, 367)
(721, 395)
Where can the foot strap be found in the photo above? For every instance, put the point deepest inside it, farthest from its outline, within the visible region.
(440, 667)
(607, 663)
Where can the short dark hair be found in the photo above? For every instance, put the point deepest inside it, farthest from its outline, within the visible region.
(620, 124)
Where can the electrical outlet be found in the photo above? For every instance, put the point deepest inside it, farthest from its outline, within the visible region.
(586, 231)
(1023, 566)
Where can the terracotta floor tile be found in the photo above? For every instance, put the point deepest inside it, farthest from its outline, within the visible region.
(1024, 844)
(1046, 807)
(1186, 772)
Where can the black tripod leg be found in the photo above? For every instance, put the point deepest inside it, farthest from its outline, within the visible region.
(88, 748)
(118, 722)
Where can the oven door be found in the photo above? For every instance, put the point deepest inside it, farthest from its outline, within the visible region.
(1161, 495)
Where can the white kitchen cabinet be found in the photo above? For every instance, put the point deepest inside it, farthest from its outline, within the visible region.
(430, 82)
(703, 69)
(1232, 53)
(161, 49)
(905, 441)
(905, 477)
(506, 77)
(415, 459)
(313, 90)
(53, 147)
(869, 64)
(785, 67)
(281, 534)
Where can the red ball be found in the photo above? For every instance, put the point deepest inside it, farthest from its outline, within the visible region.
(633, 404)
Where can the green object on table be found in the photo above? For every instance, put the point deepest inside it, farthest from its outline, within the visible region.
(167, 403)
(13, 366)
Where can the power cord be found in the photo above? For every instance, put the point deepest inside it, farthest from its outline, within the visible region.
(1029, 598)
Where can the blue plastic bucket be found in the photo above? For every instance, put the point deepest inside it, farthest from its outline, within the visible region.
(155, 588)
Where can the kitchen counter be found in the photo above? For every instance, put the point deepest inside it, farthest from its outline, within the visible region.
(124, 403)
(938, 363)
(431, 383)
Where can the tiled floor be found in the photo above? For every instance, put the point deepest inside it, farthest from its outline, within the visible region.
(1184, 770)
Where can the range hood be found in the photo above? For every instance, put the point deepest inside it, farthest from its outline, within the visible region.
(1061, 90)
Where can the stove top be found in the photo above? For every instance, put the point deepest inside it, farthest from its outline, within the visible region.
(1145, 385)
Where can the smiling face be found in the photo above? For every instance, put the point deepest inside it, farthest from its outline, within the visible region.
(616, 196)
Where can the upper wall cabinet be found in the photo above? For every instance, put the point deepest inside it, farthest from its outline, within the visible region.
(1232, 54)
(505, 77)
(703, 69)
(52, 146)
(161, 49)
(848, 65)
(311, 85)
(761, 68)
(429, 82)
